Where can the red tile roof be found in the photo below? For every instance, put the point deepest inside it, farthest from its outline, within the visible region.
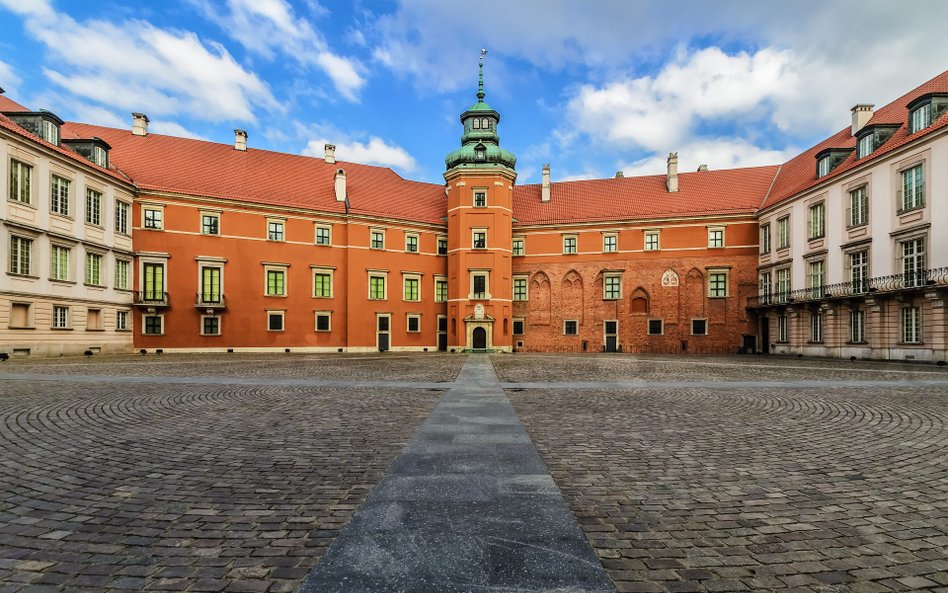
(7, 104)
(799, 173)
(726, 191)
(200, 168)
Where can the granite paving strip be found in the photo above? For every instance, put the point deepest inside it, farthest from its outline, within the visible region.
(727, 385)
(248, 381)
(468, 506)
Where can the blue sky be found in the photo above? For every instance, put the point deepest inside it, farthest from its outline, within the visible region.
(591, 87)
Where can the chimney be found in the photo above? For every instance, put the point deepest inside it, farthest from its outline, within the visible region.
(1, 90)
(240, 140)
(702, 167)
(620, 174)
(340, 184)
(139, 124)
(331, 154)
(671, 181)
(862, 113)
(545, 186)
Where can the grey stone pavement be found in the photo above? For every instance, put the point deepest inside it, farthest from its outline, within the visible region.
(238, 472)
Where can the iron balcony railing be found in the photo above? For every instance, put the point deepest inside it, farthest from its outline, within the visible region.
(151, 298)
(863, 287)
(205, 300)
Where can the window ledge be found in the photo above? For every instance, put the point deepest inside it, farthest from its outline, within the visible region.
(61, 281)
(22, 327)
(902, 211)
(18, 202)
(276, 296)
(95, 329)
(123, 331)
(95, 226)
(96, 286)
(910, 343)
(61, 329)
(856, 226)
(862, 343)
(30, 276)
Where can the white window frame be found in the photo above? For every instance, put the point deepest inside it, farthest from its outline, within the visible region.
(857, 326)
(816, 216)
(523, 326)
(692, 328)
(325, 241)
(910, 324)
(281, 313)
(864, 146)
(476, 192)
(408, 319)
(765, 238)
(372, 236)
(326, 271)
(412, 243)
(518, 246)
(123, 216)
(161, 324)
(202, 328)
(384, 278)
(915, 199)
(913, 264)
(20, 262)
(95, 199)
(442, 240)
(61, 317)
(121, 263)
(216, 216)
(920, 118)
(440, 281)
(857, 214)
(95, 271)
(616, 290)
(570, 244)
(474, 238)
(575, 323)
(58, 270)
(784, 237)
(716, 238)
(610, 243)
(283, 269)
(157, 221)
(783, 329)
(661, 326)
(816, 328)
(486, 294)
(518, 279)
(21, 182)
(765, 287)
(713, 289)
(317, 315)
(276, 230)
(414, 278)
(60, 195)
(121, 320)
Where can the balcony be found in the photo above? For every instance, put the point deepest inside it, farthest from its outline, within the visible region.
(937, 277)
(151, 298)
(209, 301)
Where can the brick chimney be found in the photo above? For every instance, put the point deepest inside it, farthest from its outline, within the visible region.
(545, 186)
(330, 157)
(862, 113)
(340, 185)
(139, 124)
(240, 140)
(671, 181)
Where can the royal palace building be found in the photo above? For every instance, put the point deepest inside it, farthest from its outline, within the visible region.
(157, 242)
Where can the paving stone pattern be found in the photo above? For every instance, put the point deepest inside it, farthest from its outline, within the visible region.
(831, 490)
(111, 487)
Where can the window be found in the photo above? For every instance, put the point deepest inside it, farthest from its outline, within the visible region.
(93, 269)
(865, 146)
(817, 220)
(121, 320)
(824, 166)
(859, 271)
(377, 288)
(816, 327)
(210, 325)
(569, 244)
(411, 243)
(211, 284)
(60, 317)
(699, 327)
(476, 123)
(858, 213)
(518, 246)
(480, 198)
(479, 286)
(121, 216)
(410, 286)
(153, 325)
(913, 188)
(480, 153)
(20, 176)
(911, 325)
(59, 195)
(766, 287)
(518, 327)
(442, 245)
(154, 281)
(153, 218)
(783, 329)
(323, 321)
(519, 289)
(570, 327)
(765, 238)
(651, 241)
(920, 118)
(857, 326)
(441, 291)
(275, 230)
(717, 284)
(93, 207)
(121, 274)
(815, 279)
(414, 323)
(783, 232)
(377, 240)
(49, 132)
(610, 243)
(59, 263)
(323, 236)
(656, 327)
(715, 237)
(21, 255)
(912, 254)
(275, 321)
(210, 224)
(783, 285)
(322, 284)
(612, 287)
(99, 156)
(480, 240)
(276, 283)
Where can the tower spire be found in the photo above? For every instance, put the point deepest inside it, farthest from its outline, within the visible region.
(480, 76)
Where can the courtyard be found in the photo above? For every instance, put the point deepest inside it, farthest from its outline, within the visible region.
(237, 472)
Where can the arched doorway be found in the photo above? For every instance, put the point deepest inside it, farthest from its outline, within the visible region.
(479, 338)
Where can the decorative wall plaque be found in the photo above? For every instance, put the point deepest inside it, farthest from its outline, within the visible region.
(669, 278)
(479, 312)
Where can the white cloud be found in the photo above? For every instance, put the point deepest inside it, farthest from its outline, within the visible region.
(134, 65)
(375, 151)
(717, 153)
(170, 128)
(9, 80)
(269, 27)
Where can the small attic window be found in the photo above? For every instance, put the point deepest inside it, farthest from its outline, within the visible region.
(49, 132)
(829, 159)
(865, 147)
(480, 153)
(823, 167)
(924, 110)
(99, 156)
(870, 138)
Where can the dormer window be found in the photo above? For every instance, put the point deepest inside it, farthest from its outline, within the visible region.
(50, 132)
(823, 167)
(924, 110)
(829, 159)
(95, 150)
(865, 147)
(870, 138)
(920, 118)
(99, 156)
(480, 153)
(42, 123)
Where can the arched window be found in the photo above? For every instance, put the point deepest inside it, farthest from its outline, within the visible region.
(486, 124)
(477, 123)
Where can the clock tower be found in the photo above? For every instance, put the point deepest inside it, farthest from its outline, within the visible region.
(480, 176)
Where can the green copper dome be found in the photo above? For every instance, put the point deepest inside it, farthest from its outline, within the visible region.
(480, 144)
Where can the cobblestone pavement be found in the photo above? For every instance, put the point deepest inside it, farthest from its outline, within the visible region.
(108, 486)
(699, 489)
